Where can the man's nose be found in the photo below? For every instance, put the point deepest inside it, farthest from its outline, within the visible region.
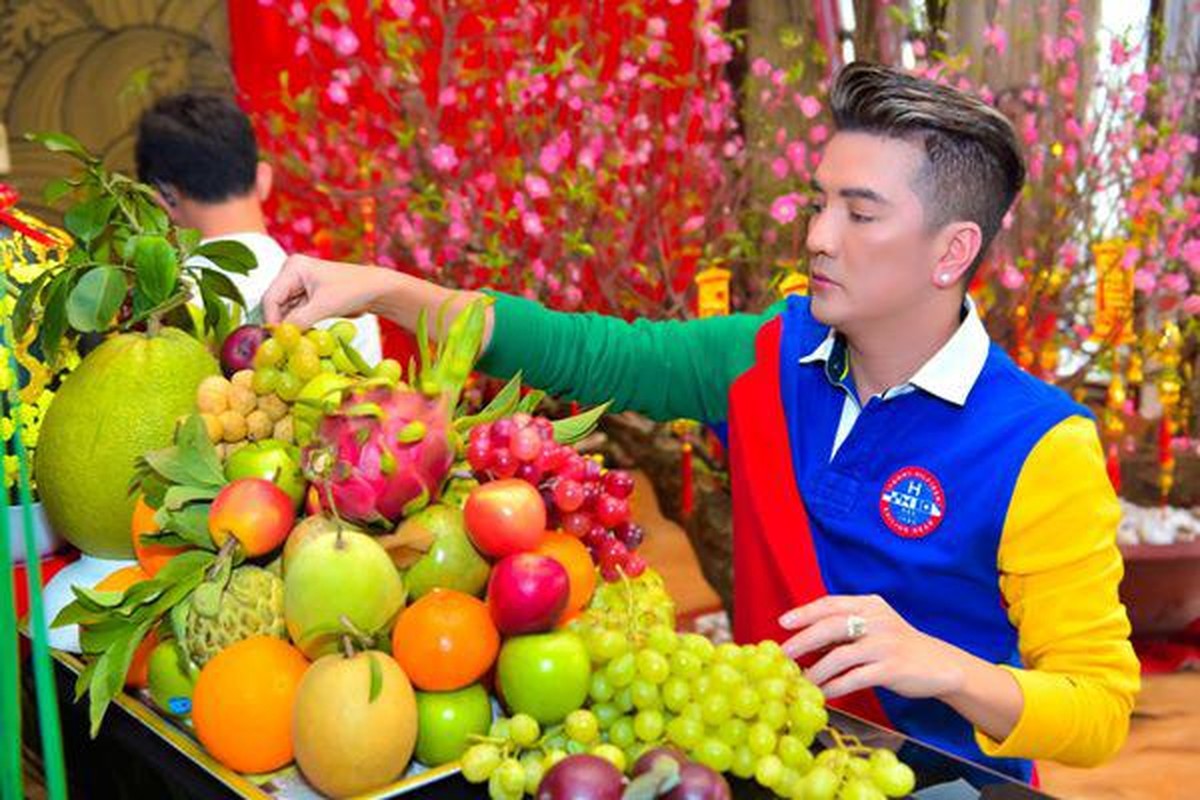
(821, 237)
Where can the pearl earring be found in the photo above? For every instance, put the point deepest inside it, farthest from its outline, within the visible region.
(945, 277)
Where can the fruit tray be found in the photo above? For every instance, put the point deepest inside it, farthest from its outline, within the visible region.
(284, 783)
(135, 732)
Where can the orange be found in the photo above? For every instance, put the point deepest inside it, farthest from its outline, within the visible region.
(243, 701)
(118, 581)
(445, 641)
(581, 572)
(151, 557)
(121, 579)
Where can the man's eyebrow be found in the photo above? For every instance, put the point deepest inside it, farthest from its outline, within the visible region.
(854, 192)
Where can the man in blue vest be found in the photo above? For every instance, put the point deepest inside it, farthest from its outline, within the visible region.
(928, 527)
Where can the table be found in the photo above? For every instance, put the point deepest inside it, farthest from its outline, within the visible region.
(136, 755)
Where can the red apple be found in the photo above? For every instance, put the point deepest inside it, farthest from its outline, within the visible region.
(505, 517)
(527, 593)
(254, 511)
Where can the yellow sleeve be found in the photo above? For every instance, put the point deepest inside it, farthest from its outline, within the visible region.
(1059, 572)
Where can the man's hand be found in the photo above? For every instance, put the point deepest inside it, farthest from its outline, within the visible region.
(309, 290)
(872, 646)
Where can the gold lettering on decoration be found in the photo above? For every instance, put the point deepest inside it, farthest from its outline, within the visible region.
(1114, 294)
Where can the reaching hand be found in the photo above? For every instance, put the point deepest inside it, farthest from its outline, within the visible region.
(309, 290)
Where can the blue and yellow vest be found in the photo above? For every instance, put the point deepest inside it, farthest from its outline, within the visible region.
(911, 507)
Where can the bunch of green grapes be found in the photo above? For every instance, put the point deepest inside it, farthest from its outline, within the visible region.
(516, 753)
(290, 358)
(743, 709)
(630, 607)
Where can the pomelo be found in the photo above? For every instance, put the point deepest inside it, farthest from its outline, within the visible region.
(120, 403)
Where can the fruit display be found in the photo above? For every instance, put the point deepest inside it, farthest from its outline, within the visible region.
(408, 580)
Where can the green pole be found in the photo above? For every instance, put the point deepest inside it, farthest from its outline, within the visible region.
(43, 666)
(10, 680)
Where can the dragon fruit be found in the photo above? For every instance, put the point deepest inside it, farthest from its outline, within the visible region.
(383, 454)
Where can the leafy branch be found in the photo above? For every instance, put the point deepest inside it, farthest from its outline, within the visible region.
(129, 266)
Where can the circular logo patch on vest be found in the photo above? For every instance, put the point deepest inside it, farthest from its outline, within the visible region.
(912, 503)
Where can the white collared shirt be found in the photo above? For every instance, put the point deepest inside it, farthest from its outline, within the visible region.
(949, 374)
(270, 256)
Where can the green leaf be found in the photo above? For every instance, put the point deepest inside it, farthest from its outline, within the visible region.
(228, 255)
(26, 303)
(213, 307)
(152, 218)
(192, 438)
(111, 667)
(95, 300)
(177, 619)
(179, 496)
(61, 143)
(99, 636)
(98, 597)
(188, 239)
(502, 405)
(190, 523)
(156, 264)
(573, 429)
(376, 678)
(220, 284)
(165, 538)
(193, 460)
(179, 467)
(179, 568)
(88, 220)
(140, 594)
(84, 680)
(56, 189)
(74, 613)
(54, 316)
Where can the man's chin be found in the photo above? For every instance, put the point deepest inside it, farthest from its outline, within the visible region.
(822, 313)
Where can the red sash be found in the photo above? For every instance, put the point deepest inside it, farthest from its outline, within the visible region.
(774, 561)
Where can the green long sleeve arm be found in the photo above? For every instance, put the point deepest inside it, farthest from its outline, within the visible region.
(663, 369)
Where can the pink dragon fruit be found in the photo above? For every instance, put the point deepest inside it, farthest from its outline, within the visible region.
(382, 454)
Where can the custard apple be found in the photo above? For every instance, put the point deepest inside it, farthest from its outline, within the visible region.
(251, 604)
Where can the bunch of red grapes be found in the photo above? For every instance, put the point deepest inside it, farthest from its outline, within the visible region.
(582, 498)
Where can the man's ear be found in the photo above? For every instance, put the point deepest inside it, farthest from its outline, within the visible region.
(168, 198)
(264, 178)
(958, 243)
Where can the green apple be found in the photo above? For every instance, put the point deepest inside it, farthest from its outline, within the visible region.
(446, 720)
(451, 562)
(171, 678)
(271, 460)
(544, 675)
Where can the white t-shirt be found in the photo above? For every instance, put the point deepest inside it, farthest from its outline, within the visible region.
(270, 256)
